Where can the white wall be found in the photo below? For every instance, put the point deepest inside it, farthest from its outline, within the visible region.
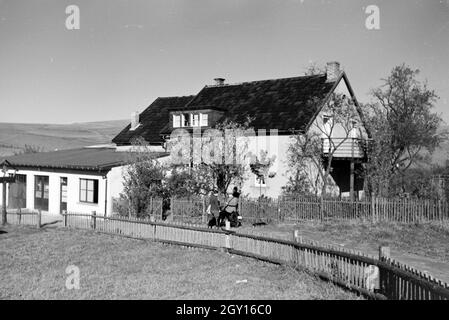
(275, 146)
(279, 146)
(115, 185)
(114, 181)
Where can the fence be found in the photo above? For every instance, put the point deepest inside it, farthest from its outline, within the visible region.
(372, 210)
(380, 278)
(22, 217)
(187, 210)
(309, 209)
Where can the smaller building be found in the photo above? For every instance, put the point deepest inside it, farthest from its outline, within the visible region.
(76, 180)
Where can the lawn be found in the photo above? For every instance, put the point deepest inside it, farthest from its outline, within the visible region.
(429, 240)
(33, 264)
(423, 246)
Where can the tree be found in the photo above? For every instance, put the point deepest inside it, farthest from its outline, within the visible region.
(142, 179)
(215, 160)
(324, 138)
(314, 69)
(261, 166)
(403, 127)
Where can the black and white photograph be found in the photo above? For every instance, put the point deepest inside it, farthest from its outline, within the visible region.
(224, 156)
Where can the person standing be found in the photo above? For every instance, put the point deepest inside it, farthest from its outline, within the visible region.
(214, 204)
(229, 211)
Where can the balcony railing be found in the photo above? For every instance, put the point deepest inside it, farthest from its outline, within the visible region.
(343, 147)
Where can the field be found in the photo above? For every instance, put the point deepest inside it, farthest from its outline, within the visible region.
(33, 264)
(14, 136)
(424, 246)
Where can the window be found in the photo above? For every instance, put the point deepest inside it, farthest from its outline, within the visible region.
(204, 119)
(17, 192)
(41, 192)
(354, 129)
(185, 120)
(326, 119)
(89, 190)
(195, 120)
(176, 121)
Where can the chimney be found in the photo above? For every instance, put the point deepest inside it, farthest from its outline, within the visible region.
(332, 70)
(219, 81)
(134, 120)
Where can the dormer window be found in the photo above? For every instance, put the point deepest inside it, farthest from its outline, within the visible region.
(176, 120)
(185, 120)
(204, 119)
(195, 120)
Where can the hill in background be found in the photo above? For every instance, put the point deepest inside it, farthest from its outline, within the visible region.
(14, 136)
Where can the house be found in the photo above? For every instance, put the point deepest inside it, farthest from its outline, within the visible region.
(76, 180)
(89, 179)
(278, 107)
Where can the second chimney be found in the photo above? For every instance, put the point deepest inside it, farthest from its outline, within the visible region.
(134, 120)
(219, 81)
(332, 70)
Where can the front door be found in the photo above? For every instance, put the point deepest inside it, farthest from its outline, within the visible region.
(17, 192)
(63, 197)
(41, 191)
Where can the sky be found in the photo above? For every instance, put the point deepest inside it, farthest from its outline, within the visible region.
(127, 53)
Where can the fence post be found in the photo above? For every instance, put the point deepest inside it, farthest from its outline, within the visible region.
(39, 218)
(172, 208)
(19, 216)
(64, 212)
(384, 253)
(228, 236)
(204, 217)
(296, 236)
(94, 220)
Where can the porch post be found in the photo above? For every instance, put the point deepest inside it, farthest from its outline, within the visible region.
(351, 180)
(4, 203)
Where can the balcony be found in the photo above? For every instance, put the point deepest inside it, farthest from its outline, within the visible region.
(343, 147)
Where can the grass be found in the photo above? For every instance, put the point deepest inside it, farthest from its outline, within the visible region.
(33, 264)
(427, 240)
(14, 136)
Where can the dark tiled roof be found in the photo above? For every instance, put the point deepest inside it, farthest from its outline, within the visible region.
(281, 104)
(152, 120)
(78, 159)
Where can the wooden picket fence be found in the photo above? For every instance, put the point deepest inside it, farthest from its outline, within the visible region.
(22, 217)
(288, 210)
(187, 210)
(371, 210)
(375, 277)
